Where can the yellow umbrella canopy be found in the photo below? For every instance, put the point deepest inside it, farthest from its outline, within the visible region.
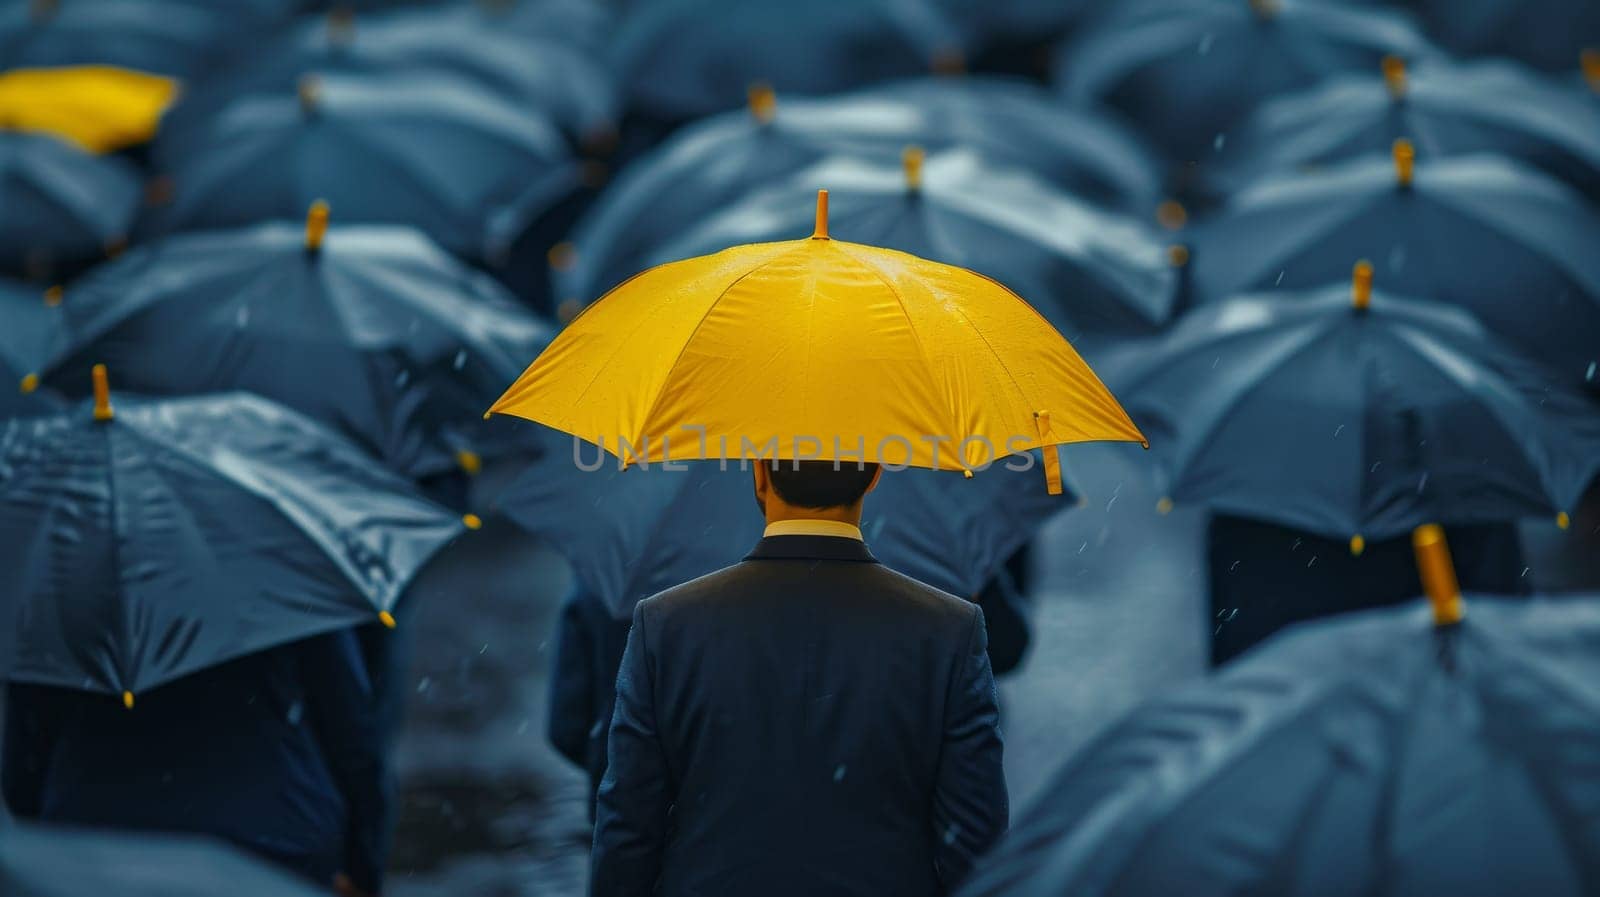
(817, 349)
(100, 108)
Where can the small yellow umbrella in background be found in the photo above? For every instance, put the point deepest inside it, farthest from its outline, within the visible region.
(100, 108)
(817, 348)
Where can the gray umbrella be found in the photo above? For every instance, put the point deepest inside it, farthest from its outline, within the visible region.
(37, 861)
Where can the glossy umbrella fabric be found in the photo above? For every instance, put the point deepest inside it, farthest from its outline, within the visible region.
(99, 108)
(1315, 414)
(60, 205)
(1510, 244)
(29, 328)
(682, 59)
(564, 84)
(631, 533)
(817, 348)
(1442, 108)
(183, 533)
(378, 333)
(1546, 34)
(1187, 70)
(1085, 270)
(167, 37)
(1372, 755)
(711, 164)
(466, 167)
(42, 861)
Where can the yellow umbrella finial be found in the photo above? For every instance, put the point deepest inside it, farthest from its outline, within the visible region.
(1266, 9)
(1589, 61)
(1177, 255)
(562, 256)
(1164, 505)
(1438, 574)
(1394, 75)
(1172, 215)
(53, 296)
(472, 521)
(310, 91)
(1405, 157)
(387, 619)
(30, 382)
(102, 394)
(821, 231)
(316, 225)
(1361, 285)
(762, 101)
(1563, 520)
(911, 160)
(127, 700)
(470, 462)
(1358, 544)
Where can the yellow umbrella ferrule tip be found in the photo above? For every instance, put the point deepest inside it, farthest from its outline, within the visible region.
(127, 700)
(821, 230)
(102, 394)
(1358, 544)
(762, 101)
(316, 225)
(472, 521)
(1177, 255)
(1405, 161)
(911, 161)
(387, 619)
(1266, 9)
(1361, 285)
(470, 462)
(1589, 62)
(1394, 76)
(54, 295)
(1172, 215)
(1438, 574)
(1164, 506)
(30, 382)
(1563, 520)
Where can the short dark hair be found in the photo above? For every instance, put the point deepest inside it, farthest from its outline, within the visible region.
(821, 484)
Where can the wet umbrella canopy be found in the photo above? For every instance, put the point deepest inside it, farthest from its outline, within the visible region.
(373, 330)
(59, 205)
(1187, 70)
(1442, 108)
(1358, 414)
(1546, 34)
(466, 167)
(679, 59)
(631, 533)
(563, 83)
(152, 539)
(1083, 269)
(29, 327)
(1395, 752)
(168, 37)
(1509, 244)
(713, 163)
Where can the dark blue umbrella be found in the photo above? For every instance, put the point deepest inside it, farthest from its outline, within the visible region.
(1187, 70)
(1393, 752)
(466, 167)
(1546, 34)
(1443, 108)
(682, 59)
(565, 84)
(60, 206)
(41, 861)
(631, 533)
(711, 164)
(1334, 416)
(1085, 270)
(168, 37)
(29, 328)
(375, 331)
(1508, 243)
(153, 539)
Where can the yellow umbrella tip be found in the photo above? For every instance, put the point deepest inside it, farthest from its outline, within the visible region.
(53, 296)
(102, 394)
(1172, 215)
(29, 384)
(1358, 544)
(1164, 506)
(1563, 520)
(472, 521)
(821, 231)
(387, 619)
(1438, 574)
(762, 101)
(911, 161)
(1177, 255)
(1361, 285)
(562, 256)
(127, 700)
(568, 309)
(1589, 61)
(316, 225)
(469, 462)
(1266, 9)
(1394, 76)
(966, 473)
(1405, 159)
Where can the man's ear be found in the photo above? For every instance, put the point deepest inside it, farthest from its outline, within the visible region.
(763, 478)
(876, 476)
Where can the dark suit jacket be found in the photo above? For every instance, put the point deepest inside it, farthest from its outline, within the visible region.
(278, 752)
(583, 683)
(806, 722)
(1265, 577)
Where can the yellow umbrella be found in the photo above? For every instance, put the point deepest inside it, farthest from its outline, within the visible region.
(101, 108)
(817, 348)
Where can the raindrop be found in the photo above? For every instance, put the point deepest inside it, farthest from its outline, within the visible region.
(423, 685)
(241, 318)
(838, 773)
(1206, 40)
(296, 711)
(951, 833)
(1524, 573)
(484, 648)
(522, 727)
(1311, 563)
(1082, 547)
(401, 379)
(1279, 281)
(1295, 546)
(1374, 467)
(1218, 141)
(1337, 430)
(1215, 362)
(1234, 566)
(1590, 374)
(460, 359)
(1422, 483)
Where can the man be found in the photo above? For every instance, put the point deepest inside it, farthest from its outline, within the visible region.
(278, 752)
(806, 722)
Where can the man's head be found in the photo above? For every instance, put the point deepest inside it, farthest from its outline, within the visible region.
(829, 490)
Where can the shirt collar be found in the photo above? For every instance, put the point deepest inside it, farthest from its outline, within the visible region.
(836, 528)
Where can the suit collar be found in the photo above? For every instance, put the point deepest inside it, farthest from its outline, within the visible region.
(814, 548)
